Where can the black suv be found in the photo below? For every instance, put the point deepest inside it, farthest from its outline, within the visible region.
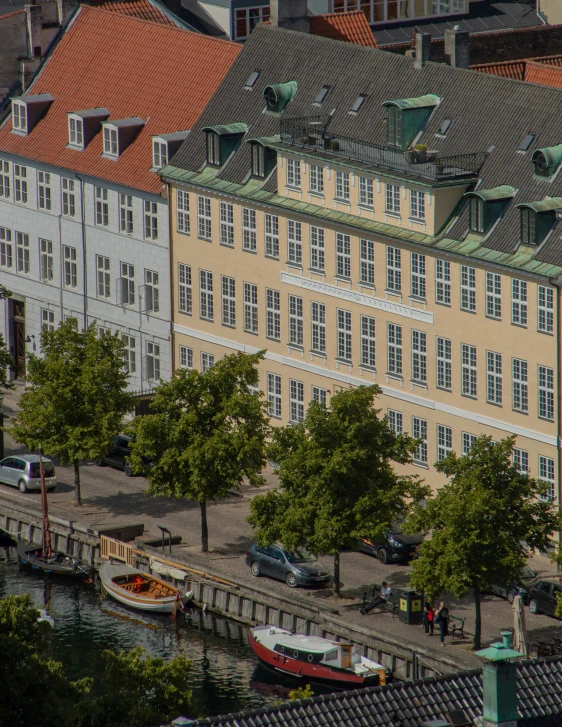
(518, 587)
(543, 597)
(118, 455)
(394, 546)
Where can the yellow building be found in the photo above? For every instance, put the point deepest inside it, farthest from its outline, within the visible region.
(305, 222)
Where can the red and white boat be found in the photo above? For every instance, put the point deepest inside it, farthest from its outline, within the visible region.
(311, 657)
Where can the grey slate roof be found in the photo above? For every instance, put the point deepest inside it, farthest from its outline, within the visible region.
(408, 704)
(489, 113)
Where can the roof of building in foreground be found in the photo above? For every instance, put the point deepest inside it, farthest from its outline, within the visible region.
(351, 26)
(409, 703)
(130, 67)
(489, 117)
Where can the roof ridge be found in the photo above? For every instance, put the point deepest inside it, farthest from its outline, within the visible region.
(14, 12)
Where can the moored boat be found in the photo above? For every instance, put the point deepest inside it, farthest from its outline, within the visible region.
(34, 556)
(314, 658)
(139, 590)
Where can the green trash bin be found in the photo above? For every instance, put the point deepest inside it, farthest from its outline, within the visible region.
(411, 607)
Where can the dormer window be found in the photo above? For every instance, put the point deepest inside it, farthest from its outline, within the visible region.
(264, 160)
(76, 131)
(159, 154)
(213, 148)
(394, 135)
(406, 117)
(537, 219)
(27, 111)
(110, 145)
(222, 141)
(19, 117)
(84, 125)
(528, 222)
(485, 206)
(477, 215)
(118, 134)
(164, 146)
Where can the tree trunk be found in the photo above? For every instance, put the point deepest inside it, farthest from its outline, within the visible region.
(77, 490)
(477, 619)
(204, 527)
(337, 574)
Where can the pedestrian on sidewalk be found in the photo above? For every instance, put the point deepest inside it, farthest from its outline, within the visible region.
(386, 592)
(442, 620)
(428, 619)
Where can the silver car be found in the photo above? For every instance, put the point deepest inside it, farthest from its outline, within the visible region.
(23, 471)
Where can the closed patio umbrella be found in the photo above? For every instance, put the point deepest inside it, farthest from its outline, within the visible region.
(519, 626)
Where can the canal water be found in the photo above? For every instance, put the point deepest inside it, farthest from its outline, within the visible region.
(226, 676)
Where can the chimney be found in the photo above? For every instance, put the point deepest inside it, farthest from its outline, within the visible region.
(499, 676)
(290, 14)
(457, 47)
(423, 49)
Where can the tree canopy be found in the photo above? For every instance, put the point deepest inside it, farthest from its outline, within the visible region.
(76, 397)
(483, 524)
(206, 434)
(337, 482)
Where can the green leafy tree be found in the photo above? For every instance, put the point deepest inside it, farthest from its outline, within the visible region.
(77, 396)
(483, 523)
(301, 693)
(207, 433)
(337, 483)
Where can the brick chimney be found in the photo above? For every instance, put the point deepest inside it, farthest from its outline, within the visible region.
(457, 47)
(290, 14)
(422, 49)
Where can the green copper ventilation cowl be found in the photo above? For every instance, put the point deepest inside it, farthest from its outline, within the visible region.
(499, 678)
(278, 95)
(547, 160)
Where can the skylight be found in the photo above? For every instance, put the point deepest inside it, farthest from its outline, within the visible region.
(357, 103)
(252, 78)
(526, 143)
(444, 128)
(321, 94)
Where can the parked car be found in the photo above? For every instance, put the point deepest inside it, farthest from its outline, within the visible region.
(118, 455)
(24, 472)
(518, 587)
(393, 547)
(543, 597)
(296, 568)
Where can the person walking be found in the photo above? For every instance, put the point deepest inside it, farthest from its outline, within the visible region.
(442, 620)
(386, 592)
(428, 619)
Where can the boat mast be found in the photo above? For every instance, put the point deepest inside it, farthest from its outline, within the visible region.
(46, 524)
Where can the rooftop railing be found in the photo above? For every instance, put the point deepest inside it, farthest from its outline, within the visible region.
(312, 133)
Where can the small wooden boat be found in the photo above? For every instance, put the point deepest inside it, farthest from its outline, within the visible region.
(140, 590)
(33, 556)
(314, 658)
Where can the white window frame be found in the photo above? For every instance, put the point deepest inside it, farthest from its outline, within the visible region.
(368, 341)
(274, 395)
(443, 282)
(493, 296)
(417, 205)
(294, 173)
(469, 371)
(227, 224)
(316, 178)
(204, 225)
(6, 249)
(273, 312)
(186, 357)
(444, 441)
(318, 332)
(343, 255)
(70, 265)
(249, 234)
(207, 361)
(317, 250)
(47, 320)
(251, 308)
(185, 289)
(417, 283)
(22, 253)
(20, 184)
(75, 132)
(521, 460)
(419, 431)
(394, 338)
(46, 260)
(395, 421)
(129, 353)
(5, 174)
(520, 384)
(110, 140)
(228, 288)
(344, 334)
(546, 393)
(468, 288)
(366, 192)
(152, 369)
(126, 216)
(272, 236)
(419, 357)
(102, 206)
(320, 395)
(394, 269)
(150, 220)
(296, 322)
(444, 363)
(68, 197)
(367, 262)
(342, 186)
(44, 196)
(547, 470)
(206, 300)
(519, 302)
(296, 400)
(545, 320)
(494, 377)
(183, 221)
(19, 117)
(294, 242)
(468, 441)
(103, 276)
(159, 153)
(151, 291)
(392, 198)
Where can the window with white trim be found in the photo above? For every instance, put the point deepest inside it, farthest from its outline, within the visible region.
(227, 224)
(395, 421)
(47, 320)
(182, 211)
(152, 291)
(444, 441)
(20, 184)
(418, 275)
(546, 474)
(228, 301)
(186, 357)
(419, 431)
(393, 198)
(206, 295)
(274, 395)
(70, 266)
(272, 236)
(468, 441)
(394, 349)
(250, 307)
(159, 154)
(319, 395)
(316, 248)
(417, 205)
(393, 269)
(152, 369)
(443, 282)
(546, 309)
(296, 398)
(129, 353)
(468, 288)
(126, 213)
(246, 20)
(75, 131)
(4, 179)
(367, 262)
(368, 341)
(44, 190)
(103, 276)
(316, 178)
(444, 365)
(493, 295)
(6, 253)
(343, 255)
(102, 207)
(365, 191)
(150, 220)
(519, 302)
(46, 260)
(185, 293)
(207, 361)
(295, 320)
(68, 197)
(22, 252)
(546, 393)
(342, 186)
(520, 384)
(294, 237)
(494, 377)
(293, 173)
(468, 371)
(249, 230)
(204, 217)
(110, 145)
(521, 460)
(127, 284)
(344, 334)
(19, 117)
(318, 327)
(273, 310)
(419, 356)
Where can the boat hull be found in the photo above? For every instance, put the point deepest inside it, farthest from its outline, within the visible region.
(64, 567)
(168, 604)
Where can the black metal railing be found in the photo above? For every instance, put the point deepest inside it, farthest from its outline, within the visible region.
(314, 134)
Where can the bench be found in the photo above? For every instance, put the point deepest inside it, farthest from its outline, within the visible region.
(456, 626)
(389, 605)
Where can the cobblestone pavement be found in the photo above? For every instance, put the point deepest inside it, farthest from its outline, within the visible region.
(110, 497)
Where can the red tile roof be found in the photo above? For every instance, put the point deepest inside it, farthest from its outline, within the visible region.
(546, 75)
(352, 27)
(9, 15)
(516, 69)
(137, 9)
(132, 67)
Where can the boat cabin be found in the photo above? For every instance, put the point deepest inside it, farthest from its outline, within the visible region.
(317, 651)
